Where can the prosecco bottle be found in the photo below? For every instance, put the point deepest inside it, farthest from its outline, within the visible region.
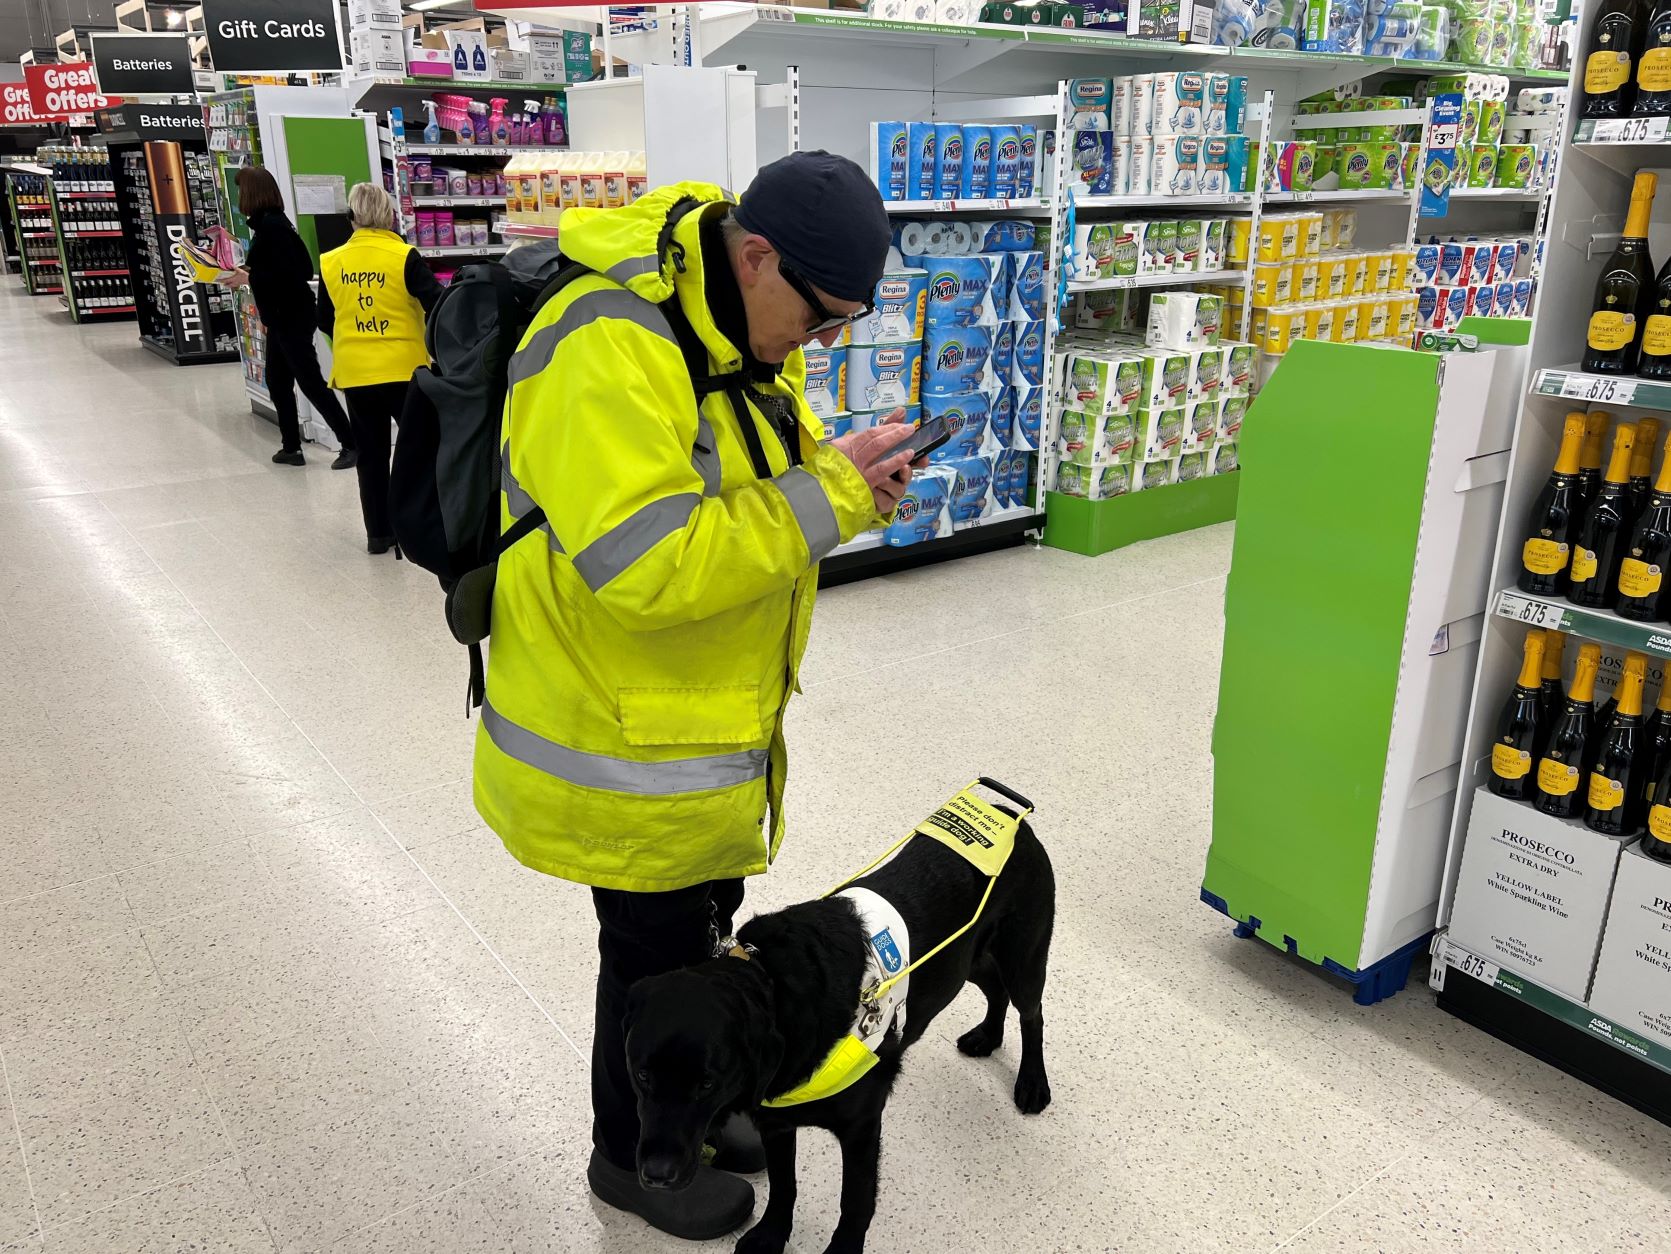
(1613, 805)
(1653, 67)
(1589, 457)
(1655, 358)
(1642, 466)
(1517, 727)
(1562, 766)
(1546, 548)
(1642, 572)
(1598, 546)
(1608, 86)
(1656, 841)
(1550, 696)
(1624, 293)
(1657, 734)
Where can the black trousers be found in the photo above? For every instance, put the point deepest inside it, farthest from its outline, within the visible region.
(642, 934)
(373, 407)
(292, 363)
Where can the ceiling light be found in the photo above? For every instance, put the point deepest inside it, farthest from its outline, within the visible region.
(419, 6)
(175, 17)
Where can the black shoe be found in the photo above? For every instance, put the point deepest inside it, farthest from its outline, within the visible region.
(290, 457)
(382, 544)
(737, 1148)
(346, 460)
(710, 1206)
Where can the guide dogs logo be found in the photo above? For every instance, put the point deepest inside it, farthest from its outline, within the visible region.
(887, 951)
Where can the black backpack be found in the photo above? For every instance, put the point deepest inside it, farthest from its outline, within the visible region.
(444, 483)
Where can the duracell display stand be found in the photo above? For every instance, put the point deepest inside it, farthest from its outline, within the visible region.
(159, 160)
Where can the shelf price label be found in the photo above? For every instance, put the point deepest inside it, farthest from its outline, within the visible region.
(1300, 198)
(1530, 611)
(1630, 130)
(1590, 387)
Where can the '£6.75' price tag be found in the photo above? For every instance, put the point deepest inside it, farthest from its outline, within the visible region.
(1630, 130)
(1529, 610)
(1591, 387)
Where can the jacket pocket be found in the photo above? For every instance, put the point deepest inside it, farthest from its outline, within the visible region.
(728, 715)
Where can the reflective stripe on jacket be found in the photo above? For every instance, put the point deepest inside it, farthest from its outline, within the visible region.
(646, 641)
(379, 336)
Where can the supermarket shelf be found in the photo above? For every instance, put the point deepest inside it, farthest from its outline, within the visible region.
(1233, 200)
(1600, 625)
(1340, 195)
(453, 202)
(461, 250)
(458, 150)
(1230, 278)
(1562, 1032)
(527, 230)
(360, 88)
(86, 195)
(36, 234)
(91, 234)
(860, 559)
(43, 261)
(1513, 195)
(1001, 204)
(96, 274)
(1573, 384)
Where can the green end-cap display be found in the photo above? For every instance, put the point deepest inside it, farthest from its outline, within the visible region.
(1314, 617)
(1091, 527)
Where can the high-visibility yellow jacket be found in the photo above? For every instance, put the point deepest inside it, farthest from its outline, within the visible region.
(646, 641)
(379, 335)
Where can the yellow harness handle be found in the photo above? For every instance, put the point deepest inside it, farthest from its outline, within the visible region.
(929, 827)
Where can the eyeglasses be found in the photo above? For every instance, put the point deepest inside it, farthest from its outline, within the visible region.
(822, 319)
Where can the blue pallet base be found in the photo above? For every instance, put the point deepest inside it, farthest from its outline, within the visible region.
(1376, 982)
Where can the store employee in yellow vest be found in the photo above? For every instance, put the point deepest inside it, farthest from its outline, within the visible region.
(646, 641)
(373, 294)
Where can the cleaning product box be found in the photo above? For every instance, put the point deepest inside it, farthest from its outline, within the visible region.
(564, 57)
(385, 14)
(469, 53)
(1633, 974)
(379, 50)
(1532, 893)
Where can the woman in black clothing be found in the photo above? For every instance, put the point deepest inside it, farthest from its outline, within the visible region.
(277, 270)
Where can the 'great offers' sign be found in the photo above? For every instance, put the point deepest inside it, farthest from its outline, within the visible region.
(142, 64)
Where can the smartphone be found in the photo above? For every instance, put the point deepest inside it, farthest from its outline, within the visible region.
(924, 440)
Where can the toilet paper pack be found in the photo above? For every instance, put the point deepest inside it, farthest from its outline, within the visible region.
(880, 376)
(1088, 103)
(923, 512)
(901, 306)
(971, 495)
(968, 418)
(1027, 364)
(1154, 474)
(1158, 433)
(889, 142)
(1029, 418)
(1093, 162)
(960, 289)
(956, 360)
(948, 160)
(976, 183)
(920, 167)
(1179, 103)
(826, 380)
(1177, 165)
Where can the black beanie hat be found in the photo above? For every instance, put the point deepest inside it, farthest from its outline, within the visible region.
(825, 217)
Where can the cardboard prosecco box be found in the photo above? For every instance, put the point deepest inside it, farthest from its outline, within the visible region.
(1633, 974)
(1533, 891)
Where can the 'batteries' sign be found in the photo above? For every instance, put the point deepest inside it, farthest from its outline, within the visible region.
(57, 91)
(156, 64)
(266, 36)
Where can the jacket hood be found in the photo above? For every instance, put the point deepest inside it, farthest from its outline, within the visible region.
(621, 244)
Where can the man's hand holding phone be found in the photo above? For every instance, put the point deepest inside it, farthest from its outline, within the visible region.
(874, 452)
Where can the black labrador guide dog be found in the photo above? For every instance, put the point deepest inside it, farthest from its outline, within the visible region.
(724, 1036)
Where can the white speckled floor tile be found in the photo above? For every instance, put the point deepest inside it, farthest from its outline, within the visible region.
(208, 1210)
(268, 984)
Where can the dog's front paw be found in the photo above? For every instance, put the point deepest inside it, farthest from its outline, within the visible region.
(977, 1042)
(1032, 1093)
(763, 1238)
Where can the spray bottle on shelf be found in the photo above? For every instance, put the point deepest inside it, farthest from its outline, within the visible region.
(466, 132)
(534, 130)
(432, 129)
(556, 133)
(496, 125)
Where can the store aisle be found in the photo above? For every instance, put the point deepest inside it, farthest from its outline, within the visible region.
(266, 984)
